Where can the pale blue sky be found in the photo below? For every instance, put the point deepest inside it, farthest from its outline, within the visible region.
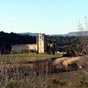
(43, 16)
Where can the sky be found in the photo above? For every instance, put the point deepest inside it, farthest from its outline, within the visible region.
(42, 16)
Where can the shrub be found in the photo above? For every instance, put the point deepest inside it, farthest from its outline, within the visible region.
(12, 84)
(54, 83)
(62, 82)
(82, 82)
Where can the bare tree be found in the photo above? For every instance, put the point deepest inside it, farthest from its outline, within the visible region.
(83, 28)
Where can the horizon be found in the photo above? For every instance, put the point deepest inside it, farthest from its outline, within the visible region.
(42, 16)
(44, 33)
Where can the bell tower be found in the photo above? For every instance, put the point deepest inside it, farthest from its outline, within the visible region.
(40, 43)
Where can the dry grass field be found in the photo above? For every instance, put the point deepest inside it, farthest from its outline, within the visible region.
(26, 57)
(15, 73)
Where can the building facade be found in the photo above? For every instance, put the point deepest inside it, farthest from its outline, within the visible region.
(23, 48)
(38, 47)
(40, 43)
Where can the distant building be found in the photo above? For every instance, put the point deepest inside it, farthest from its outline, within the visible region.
(23, 48)
(40, 43)
(38, 47)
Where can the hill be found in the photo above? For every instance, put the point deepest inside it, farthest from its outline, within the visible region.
(80, 33)
(29, 33)
(83, 33)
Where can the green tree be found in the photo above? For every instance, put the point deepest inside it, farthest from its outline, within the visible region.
(71, 50)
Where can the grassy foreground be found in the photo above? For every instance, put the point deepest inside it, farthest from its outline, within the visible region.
(22, 76)
(26, 57)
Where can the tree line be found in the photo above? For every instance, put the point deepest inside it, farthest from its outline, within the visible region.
(70, 44)
(9, 39)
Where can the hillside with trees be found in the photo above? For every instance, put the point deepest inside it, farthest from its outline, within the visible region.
(8, 39)
(69, 44)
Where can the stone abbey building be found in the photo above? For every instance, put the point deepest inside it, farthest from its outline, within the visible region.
(39, 47)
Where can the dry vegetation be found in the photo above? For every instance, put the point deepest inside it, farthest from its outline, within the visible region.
(25, 57)
(40, 73)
